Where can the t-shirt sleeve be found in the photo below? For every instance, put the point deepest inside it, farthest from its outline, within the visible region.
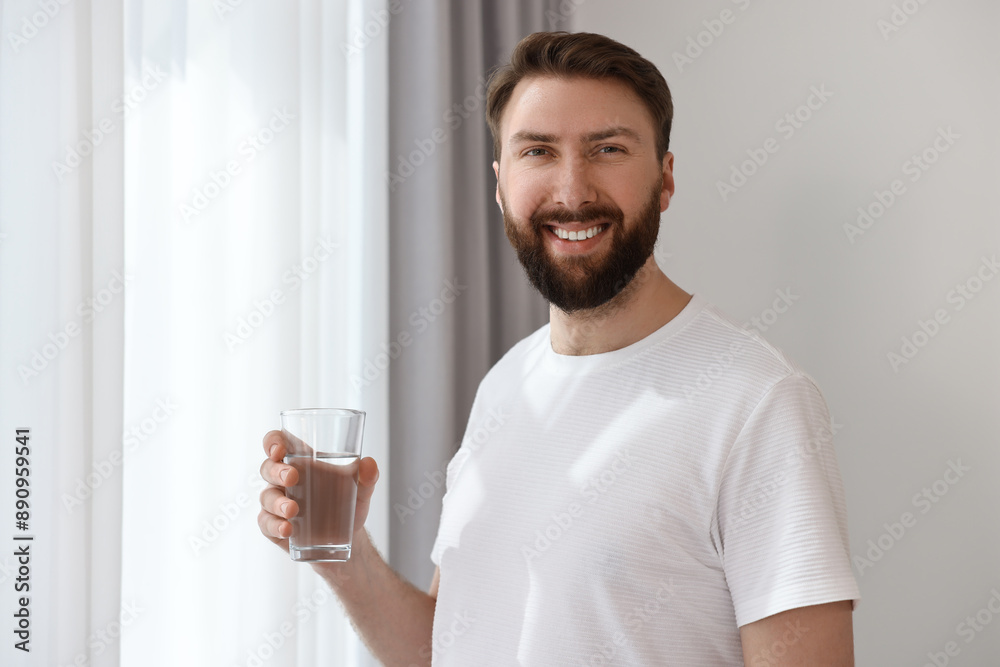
(454, 465)
(782, 518)
(469, 442)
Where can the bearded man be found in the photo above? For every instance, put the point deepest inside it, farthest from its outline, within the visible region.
(663, 488)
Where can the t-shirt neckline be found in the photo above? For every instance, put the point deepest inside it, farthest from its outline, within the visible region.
(573, 364)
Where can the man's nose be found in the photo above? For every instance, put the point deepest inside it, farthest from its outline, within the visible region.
(574, 184)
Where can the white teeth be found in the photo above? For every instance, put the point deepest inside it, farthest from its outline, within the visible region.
(578, 236)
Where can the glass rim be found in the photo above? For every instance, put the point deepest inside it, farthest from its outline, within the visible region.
(328, 412)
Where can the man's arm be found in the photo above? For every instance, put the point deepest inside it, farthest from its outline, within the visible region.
(394, 618)
(821, 634)
(435, 582)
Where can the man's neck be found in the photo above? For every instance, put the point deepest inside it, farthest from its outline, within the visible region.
(646, 304)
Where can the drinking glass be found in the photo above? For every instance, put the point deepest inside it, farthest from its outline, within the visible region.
(324, 446)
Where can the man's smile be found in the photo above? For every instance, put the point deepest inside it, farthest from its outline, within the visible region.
(574, 233)
(577, 238)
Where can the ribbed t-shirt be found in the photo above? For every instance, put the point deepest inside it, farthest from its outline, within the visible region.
(636, 507)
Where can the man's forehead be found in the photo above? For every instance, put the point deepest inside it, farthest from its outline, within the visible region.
(574, 107)
(542, 83)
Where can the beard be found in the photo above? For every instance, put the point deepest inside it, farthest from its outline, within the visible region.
(573, 283)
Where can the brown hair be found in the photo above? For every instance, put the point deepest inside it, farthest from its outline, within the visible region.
(581, 54)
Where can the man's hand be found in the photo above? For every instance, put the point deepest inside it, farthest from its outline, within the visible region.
(394, 618)
(277, 509)
(820, 634)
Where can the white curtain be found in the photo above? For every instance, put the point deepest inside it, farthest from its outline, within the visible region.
(193, 236)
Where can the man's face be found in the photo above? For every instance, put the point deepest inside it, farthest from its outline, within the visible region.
(579, 160)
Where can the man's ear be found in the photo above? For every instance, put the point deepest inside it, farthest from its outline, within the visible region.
(496, 172)
(668, 181)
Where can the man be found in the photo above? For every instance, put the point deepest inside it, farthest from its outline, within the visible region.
(642, 482)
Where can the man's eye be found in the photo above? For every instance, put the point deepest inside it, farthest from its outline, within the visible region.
(610, 149)
(535, 152)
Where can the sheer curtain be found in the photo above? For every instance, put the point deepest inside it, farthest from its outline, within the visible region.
(62, 275)
(213, 249)
(256, 233)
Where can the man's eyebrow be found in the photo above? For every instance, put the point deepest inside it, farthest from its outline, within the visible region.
(619, 131)
(530, 136)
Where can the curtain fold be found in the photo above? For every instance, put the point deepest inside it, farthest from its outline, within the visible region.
(458, 296)
(106, 359)
(61, 329)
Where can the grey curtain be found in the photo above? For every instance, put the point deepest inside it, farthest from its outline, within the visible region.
(459, 299)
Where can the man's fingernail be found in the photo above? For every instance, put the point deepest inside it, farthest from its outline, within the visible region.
(283, 475)
(284, 508)
(271, 451)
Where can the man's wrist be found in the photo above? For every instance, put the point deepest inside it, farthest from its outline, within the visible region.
(339, 575)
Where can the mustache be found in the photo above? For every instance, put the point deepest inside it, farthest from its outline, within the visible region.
(596, 212)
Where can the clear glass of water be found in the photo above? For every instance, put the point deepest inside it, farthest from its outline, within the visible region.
(324, 445)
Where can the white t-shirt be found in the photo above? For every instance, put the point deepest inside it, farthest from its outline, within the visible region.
(636, 507)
